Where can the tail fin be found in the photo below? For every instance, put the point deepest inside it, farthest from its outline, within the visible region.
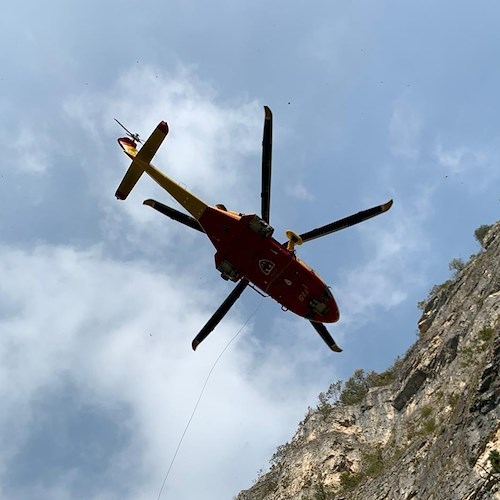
(139, 158)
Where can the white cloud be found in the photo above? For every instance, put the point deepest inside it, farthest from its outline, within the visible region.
(392, 269)
(31, 150)
(404, 130)
(299, 191)
(118, 335)
(459, 159)
(479, 167)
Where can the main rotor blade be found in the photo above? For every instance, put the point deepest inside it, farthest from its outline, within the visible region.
(267, 152)
(321, 329)
(346, 222)
(220, 313)
(174, 214)
(123, 127)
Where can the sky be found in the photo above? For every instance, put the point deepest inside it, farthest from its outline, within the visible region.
(100, 299)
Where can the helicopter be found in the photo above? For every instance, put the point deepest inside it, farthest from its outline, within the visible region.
(246, 252)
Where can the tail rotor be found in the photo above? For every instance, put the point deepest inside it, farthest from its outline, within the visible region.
(134, 137)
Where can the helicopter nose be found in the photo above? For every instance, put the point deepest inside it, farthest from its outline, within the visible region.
(324, 309)
(333, 314)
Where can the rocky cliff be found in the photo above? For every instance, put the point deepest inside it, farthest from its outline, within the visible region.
(428, 427)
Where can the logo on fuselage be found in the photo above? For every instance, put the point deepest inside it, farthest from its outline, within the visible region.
(266, 266)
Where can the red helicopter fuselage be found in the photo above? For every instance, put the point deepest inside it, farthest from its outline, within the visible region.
(246, 249)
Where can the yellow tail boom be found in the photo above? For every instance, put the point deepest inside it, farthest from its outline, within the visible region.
(141, 163)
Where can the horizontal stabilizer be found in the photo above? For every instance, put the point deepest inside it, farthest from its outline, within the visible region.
(144, 156)
(154, 141)
(129, 180)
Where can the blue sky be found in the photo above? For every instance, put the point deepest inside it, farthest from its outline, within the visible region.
(100, 299)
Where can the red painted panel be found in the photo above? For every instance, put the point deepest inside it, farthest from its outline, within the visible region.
(242, 247)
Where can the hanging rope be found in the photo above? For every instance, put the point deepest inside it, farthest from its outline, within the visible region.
(201, 395)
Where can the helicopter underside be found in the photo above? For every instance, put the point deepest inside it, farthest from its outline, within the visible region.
(246, 249)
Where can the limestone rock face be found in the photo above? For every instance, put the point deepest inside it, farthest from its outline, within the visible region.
(425, 428)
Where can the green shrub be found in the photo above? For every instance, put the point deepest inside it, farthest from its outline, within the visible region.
(350, 480)
(456, 265)
(486, 334)
(434, 291)
(430, 426)
(480, 233)
(426, 411)
(453, 399)
(327, 400)
(494, 459)
(373, 463)
(355, 389)
(279, 455)
(321, 491)
(375, 379)
(421, 304)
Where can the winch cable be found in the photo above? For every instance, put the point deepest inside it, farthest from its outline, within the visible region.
(201, 395)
